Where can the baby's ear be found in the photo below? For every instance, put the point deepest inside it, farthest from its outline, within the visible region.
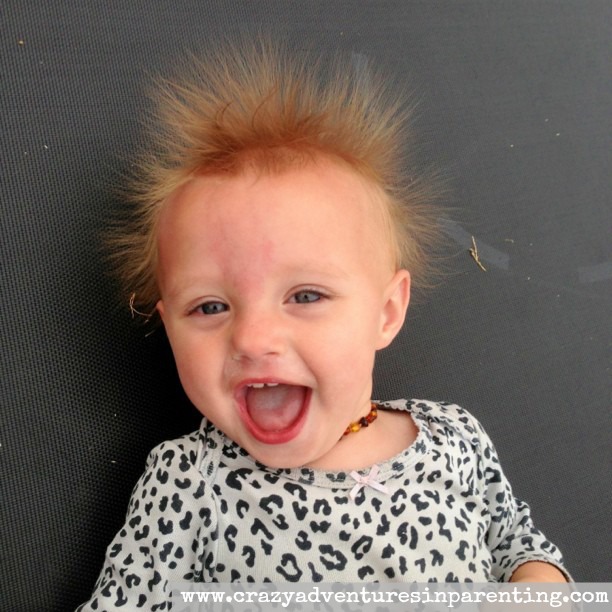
(160, 309)
(397, 297)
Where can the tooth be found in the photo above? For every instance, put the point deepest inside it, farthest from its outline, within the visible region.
(271, 384)
(257, 385)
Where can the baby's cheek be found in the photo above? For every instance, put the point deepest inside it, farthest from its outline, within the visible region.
(353, 361)
(193, 371)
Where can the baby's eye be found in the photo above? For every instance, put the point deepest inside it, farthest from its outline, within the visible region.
(212, 308)
(306, 297)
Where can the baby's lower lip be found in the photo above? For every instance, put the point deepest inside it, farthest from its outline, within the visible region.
(280, 436)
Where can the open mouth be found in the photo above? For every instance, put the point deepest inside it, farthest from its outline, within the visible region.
(274, 412)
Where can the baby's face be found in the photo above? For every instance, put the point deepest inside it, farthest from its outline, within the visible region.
(277, 290)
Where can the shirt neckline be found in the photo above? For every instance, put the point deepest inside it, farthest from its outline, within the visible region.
(234, 456)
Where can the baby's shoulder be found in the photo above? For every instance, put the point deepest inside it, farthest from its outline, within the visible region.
(182, 452)
(443, 419)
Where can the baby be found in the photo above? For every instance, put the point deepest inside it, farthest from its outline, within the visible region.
(276, 240)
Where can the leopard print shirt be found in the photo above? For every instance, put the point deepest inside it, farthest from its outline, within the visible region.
(204, 510)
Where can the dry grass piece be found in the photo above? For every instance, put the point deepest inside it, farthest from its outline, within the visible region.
(474, 254)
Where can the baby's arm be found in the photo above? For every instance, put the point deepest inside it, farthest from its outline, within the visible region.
(537, 571)
(161, 539)
(520, 551)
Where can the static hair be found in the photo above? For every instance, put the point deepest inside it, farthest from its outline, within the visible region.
(257, 106)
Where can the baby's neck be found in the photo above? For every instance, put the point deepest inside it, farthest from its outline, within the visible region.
(392, 433)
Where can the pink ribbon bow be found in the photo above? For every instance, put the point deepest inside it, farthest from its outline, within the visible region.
(367, 481)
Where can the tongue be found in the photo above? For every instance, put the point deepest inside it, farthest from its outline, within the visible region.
(275, 408)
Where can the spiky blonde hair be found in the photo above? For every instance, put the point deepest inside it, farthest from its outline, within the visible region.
(257, 106)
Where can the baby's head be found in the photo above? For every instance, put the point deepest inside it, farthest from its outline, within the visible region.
(276, 236)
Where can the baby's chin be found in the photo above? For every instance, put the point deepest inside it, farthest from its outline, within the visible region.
(332, 455)
(280, 458)
(301, 453)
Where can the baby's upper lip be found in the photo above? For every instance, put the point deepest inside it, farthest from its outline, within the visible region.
(242, 385)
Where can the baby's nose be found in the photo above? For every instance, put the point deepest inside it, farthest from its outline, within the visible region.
(256, 336)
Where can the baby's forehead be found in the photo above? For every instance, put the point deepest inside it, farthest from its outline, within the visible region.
(321, 178)
(321, 205)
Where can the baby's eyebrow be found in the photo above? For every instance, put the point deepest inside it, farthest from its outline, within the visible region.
(183, 286)
(329, 270)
